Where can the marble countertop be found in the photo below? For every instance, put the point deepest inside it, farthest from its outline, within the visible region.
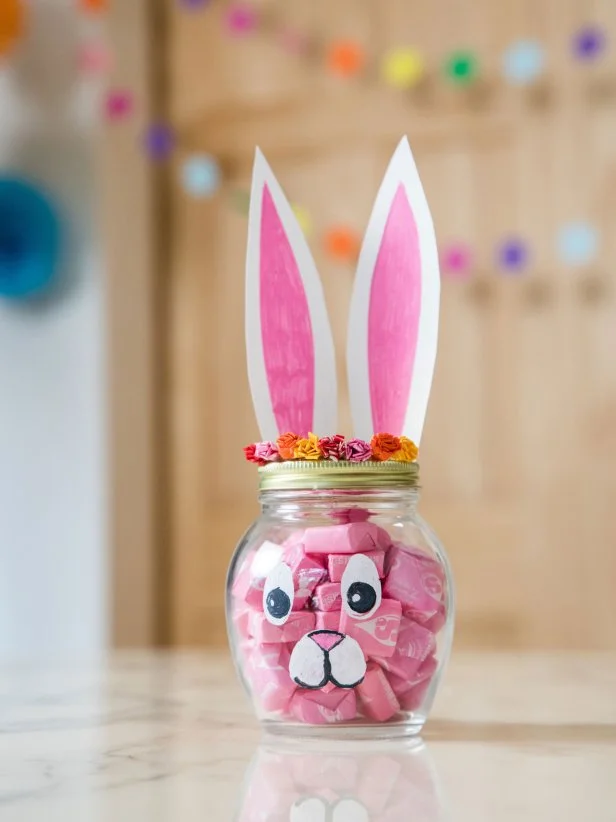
(169, 736)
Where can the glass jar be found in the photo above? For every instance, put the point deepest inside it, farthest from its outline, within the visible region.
(340, 601)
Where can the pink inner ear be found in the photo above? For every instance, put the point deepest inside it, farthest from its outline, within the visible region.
(393, 320)
(286, 330)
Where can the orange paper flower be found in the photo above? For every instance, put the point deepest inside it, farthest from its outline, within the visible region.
(286, 445)
(308, 449)
(384, 446)
(408, 451)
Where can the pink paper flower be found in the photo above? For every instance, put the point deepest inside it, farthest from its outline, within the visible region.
(333, 447)
(267, 451)
(358, 450)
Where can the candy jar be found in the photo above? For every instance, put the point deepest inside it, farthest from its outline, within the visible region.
(339, 596)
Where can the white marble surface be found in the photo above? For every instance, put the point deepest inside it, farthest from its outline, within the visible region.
(170, 737)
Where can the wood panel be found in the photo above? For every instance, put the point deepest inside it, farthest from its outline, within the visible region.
(520, 443)
(129, 188)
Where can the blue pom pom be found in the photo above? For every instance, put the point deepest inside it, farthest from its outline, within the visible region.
(29, 239)
(201, 176)
(523, 62)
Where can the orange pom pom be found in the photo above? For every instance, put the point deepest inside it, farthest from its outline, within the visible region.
(12, 23)
(346, 58)
(95, 6)
(342, 244)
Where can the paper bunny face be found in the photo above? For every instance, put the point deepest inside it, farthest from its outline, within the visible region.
(393, 324)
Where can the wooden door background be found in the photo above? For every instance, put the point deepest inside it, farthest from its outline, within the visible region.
(519, 453)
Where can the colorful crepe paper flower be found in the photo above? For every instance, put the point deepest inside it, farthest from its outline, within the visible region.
(286, 445)
(408, 451)
(357, 450)
(267, 452)
(332, 448)
(308, 448)
(250, 453)
(384, 446)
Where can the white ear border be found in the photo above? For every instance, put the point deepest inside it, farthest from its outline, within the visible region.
(325, 391)
(401, 170)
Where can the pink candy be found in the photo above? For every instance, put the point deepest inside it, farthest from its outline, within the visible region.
(336, 563)
(298, 624)
(397, 641)
(348, 538)
(327, 597)
(318, 708)
(268, 674)
(415, 581)
(376, 694)
(307, 573)
(378, 634)
(328, 620)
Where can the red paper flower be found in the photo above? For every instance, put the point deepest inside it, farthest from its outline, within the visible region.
(332, 447)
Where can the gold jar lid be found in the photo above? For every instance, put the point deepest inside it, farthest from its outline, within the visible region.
(315, 474)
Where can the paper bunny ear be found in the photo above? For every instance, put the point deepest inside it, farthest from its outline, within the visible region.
(393, 323)
(289, 345)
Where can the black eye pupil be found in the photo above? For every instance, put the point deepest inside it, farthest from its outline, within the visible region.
(278, 603)
(361, 597)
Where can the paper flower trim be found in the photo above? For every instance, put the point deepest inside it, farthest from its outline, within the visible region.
(289, 446)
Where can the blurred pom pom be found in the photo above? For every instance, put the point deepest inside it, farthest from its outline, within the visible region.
(523, 62)
(462, 67)
(456, 260)
(304, 219)
(29, 239)
(94, 58)
(577, 243)
(346, 58)
(159, 141)
(94, 6)
(588, 43)
(241, 19)
(194, 5)
(403, 68)
(118, 104)
(342, 243)
(201, 176)
(512, 255)
(12, 23)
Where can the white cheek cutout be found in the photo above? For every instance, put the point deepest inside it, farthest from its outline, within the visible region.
(360, 587)
(278, 594)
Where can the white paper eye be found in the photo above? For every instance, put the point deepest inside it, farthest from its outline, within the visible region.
(361, 587)
(311, 809)
(350, 810)
(278, 594)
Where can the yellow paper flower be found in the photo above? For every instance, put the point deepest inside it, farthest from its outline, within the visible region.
(408, 451)
(308, 449)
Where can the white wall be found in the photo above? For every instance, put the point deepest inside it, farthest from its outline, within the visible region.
(53, 573)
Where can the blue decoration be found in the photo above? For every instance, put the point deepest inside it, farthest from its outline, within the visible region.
(513, 256)
(524, 62)
(577, 243)
(29, 240)
(201, 175)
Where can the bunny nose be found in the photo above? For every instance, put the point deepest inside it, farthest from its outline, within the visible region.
(326, 639)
